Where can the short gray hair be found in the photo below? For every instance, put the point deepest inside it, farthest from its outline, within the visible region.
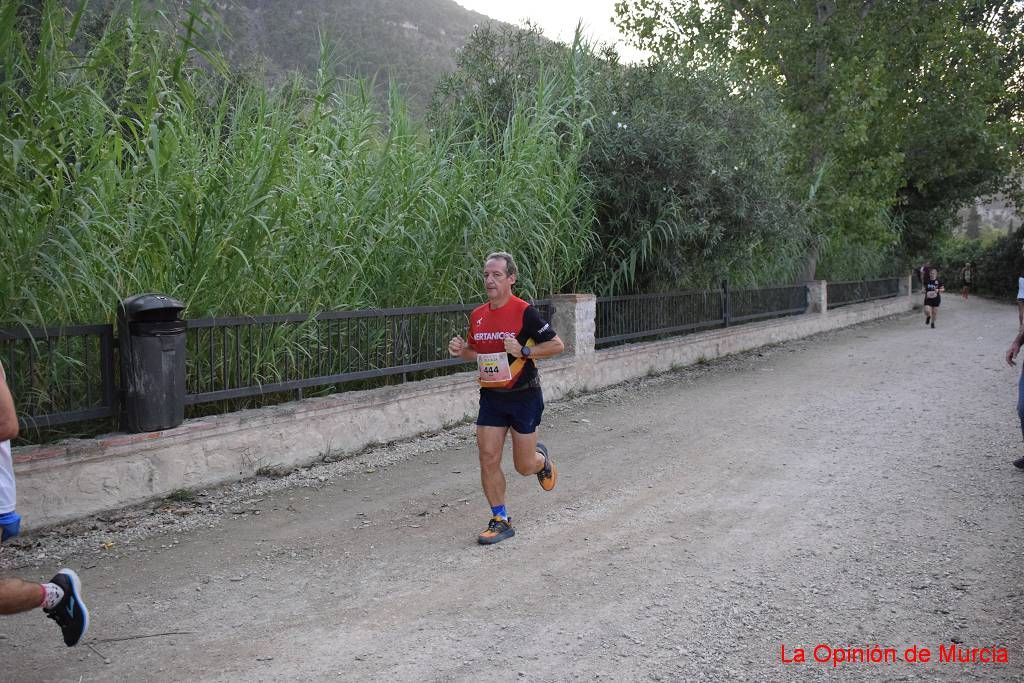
(510, 263)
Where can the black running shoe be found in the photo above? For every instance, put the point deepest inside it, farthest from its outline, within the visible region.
(933, 326)
(927, 319)
(70, 613)
(497, 530)
(1019, 463)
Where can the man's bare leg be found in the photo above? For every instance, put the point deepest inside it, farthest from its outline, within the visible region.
(532, 458)
(20, 596)
(524, 453)
(491, 442)
(60, 598)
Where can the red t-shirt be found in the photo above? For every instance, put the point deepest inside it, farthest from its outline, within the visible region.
(489, 327)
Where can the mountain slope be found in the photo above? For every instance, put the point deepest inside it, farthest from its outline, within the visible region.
(414, 42)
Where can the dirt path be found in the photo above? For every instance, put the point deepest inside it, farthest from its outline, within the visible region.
(836, 491)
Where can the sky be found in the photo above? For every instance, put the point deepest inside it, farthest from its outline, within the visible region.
(558, 18)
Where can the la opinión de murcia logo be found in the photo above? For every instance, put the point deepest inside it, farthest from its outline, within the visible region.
(953, 653)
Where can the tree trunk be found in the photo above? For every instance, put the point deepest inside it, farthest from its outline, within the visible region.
(816, 154)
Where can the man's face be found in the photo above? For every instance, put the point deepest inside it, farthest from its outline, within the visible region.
(497, 281)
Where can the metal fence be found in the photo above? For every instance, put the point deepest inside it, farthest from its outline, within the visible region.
(625, 318)
(60, 375)
(859, 291)
(643, 316)
(749, 305)
(232, 358)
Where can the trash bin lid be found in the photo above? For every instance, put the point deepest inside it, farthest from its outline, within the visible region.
(145, 303)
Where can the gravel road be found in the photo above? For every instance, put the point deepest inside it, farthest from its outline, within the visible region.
(845, 491)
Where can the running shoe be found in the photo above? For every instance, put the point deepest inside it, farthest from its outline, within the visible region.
(1019, 463)
(927, 319)
(70, 613)
(549, 474)
(498, 530)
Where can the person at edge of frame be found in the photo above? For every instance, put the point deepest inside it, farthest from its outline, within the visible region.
(60, 597)
(1011, 355)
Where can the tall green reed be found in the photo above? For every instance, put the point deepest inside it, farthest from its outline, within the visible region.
(126, 168)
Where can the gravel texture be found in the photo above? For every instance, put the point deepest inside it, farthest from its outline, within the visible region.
(849, 490)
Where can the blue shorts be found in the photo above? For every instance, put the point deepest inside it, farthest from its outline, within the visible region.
(520, 410)
(10, 525)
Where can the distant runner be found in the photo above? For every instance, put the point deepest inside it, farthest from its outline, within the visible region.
(933, 289)
(922, 273)
(506, 335)
(966, 279)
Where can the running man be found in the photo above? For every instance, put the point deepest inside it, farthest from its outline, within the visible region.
(933, 290)
(60, 598)
(506, 335)
(1011, 354)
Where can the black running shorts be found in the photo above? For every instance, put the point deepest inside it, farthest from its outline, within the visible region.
(520, 410)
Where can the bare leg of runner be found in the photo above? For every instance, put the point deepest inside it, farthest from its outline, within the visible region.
(524, 453)
(19, 596)
(60, 598)
(491, 442)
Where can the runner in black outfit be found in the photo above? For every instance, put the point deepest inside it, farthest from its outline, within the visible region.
(933, 290)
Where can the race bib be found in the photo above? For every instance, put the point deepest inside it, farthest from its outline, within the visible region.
(493, 367)
(931, 294)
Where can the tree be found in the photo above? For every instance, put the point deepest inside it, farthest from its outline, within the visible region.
(876, 91)
(959, 102)
(689, 183)
(681, 192)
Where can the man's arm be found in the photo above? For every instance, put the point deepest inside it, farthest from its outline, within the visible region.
(460, 348)
(1014, 349)
(546, 342)
(8, 418)
(551, 347)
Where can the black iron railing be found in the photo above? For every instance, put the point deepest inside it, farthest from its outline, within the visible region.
(233, 358)
(625, 318)
(859, 291)
(749, 305)
(644, 316)
(59, 375)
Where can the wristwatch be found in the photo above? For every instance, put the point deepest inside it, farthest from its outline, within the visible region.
(525, 351)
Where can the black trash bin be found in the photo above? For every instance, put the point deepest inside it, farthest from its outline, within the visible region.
(152, 347)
